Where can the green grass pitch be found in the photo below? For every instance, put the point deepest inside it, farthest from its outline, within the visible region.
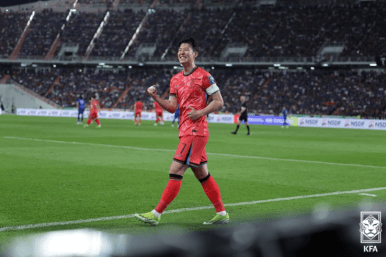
(53, 170)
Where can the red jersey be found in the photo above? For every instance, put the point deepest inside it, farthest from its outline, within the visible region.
(94, 105)
(191, 90)
(138, 106)
(157, 107)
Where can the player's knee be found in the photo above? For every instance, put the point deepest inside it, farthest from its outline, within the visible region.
(177, 168)
(201, 171)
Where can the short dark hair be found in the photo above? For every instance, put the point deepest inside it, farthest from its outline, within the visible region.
(80, 97)
(138, 99)
(189, 40)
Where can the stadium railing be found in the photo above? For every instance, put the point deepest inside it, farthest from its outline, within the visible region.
(314, 61)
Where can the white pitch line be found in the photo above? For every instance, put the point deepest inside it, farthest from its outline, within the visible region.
(368, 194)
(218, 154)
(62, 223)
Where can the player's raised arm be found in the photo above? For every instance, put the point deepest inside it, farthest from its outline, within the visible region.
(169, 105)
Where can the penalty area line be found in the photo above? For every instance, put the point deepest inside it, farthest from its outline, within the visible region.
(82, 221)
(217, 154)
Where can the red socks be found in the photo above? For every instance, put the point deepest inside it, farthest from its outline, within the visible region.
(170, 192)
(98, 122)
(208, 183)
(212, 191)
(89, 121)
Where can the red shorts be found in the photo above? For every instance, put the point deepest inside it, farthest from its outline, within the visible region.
(93, 114)
(159, 113)
(138, 114)
(191, 151)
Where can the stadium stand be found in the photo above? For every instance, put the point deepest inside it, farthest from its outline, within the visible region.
(201, 23)
(117, 33)
(41, 35)
(159, 29)
(12, 25)
(344, 93)
(272, 30)
(287, 29)
(81, 29)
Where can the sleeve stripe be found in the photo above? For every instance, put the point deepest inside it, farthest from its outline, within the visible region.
(215, 92)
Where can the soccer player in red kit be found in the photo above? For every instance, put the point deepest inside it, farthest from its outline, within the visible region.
(158, 114)
(189, 89)
(138, 112)
(93, 115)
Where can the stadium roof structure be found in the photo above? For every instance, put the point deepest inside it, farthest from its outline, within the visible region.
(5, 3)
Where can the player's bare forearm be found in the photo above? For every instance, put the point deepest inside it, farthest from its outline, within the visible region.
(217, 103)
(169, 105)
(212, 107)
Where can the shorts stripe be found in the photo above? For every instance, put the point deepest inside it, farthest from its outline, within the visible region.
(176, 160)
(194, 165)
(188, 156)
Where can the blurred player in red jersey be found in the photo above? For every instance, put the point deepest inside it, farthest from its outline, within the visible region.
(189, 89)
(93, 115)
(138, 112)
(158, 114)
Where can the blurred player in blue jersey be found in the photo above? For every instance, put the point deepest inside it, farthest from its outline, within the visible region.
(176, 116)
(80, 104)
(285, 112)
